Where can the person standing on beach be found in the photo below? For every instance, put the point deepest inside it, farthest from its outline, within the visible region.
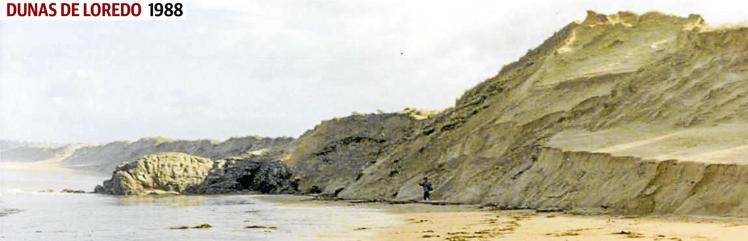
(427, 188)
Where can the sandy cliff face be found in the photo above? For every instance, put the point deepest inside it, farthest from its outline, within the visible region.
(599, 182)
(607, 76)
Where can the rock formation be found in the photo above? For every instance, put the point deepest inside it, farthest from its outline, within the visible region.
(168, 172)
(180, 173)
(258, 173)
(333, 154)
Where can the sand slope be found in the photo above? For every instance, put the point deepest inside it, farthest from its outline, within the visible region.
(584, 122)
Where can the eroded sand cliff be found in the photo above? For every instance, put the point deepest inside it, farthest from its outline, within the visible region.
(620, 113)
(609, 72)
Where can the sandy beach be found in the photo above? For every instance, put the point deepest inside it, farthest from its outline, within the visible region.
(520, 225)
(469, 222)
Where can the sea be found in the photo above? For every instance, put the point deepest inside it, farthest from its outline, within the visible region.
(29, 211)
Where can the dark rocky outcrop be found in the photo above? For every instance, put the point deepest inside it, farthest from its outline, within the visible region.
(257, 173)
(70, 190)
(199, 226)
(332, 155)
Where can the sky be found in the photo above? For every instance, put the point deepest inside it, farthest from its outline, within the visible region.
(271, 67)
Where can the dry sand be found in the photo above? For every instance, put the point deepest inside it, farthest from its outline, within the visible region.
(505, 225)
(467, 222)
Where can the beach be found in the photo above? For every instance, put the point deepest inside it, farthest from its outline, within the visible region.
(31, 216)
(470, 222)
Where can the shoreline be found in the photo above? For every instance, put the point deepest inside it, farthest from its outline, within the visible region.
(419, 221)
(457, 222)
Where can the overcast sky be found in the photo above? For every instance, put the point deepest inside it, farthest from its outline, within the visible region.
(271, 68)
